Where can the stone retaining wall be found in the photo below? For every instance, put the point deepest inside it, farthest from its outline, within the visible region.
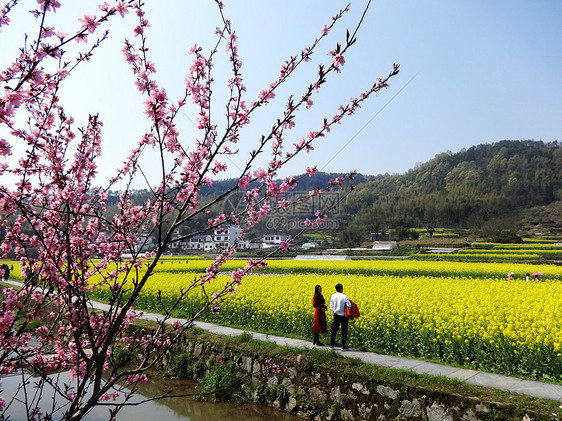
(325, 393)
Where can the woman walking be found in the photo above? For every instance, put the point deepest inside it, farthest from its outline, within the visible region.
(319, 304)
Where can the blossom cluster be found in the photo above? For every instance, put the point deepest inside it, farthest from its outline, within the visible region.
(56, 220)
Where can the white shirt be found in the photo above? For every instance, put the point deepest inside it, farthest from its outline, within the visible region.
(338, 303)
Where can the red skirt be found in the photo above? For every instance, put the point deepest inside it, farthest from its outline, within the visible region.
(319, 322)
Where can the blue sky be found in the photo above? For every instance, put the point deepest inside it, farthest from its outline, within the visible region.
(472, 72)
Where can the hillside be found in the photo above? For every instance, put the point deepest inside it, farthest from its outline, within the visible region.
(487, 187)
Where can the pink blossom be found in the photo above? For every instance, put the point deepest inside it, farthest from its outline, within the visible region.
(320, 217)
(122, 8)
(260, 174)
(325, 30)
(89, 22)
(288, 124)
(136, 378)
(81, 38)
(49, 5)
(273, 367)
(244, 181)
(234, 219)
(237, 275)
(48, 31)
(338, 60)
(266, 94)
(219, 167)
(314, 134)
(5, 148)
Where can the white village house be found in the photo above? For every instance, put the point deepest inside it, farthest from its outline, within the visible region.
(273, 240)
(219, 239)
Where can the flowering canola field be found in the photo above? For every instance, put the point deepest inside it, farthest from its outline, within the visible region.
(377, 267)
(473, 318)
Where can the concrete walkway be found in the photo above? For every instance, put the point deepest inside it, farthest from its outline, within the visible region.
(477, 378)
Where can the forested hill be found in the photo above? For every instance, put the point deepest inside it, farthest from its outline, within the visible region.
(463, 189)
(305, 184)
(488, 183)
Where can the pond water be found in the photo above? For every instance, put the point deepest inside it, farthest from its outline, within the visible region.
(182, 409)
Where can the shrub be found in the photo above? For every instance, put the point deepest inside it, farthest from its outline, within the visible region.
(219, 381)
(184, 366)
(122, 356)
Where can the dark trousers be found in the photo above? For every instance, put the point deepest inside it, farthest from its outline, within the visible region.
(343, 321)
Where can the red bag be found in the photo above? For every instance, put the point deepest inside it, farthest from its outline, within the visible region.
(352, 312)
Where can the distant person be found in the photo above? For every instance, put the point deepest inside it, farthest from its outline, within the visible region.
(338, 302)
(528, 277)
(537, 277)
(511, 276)
(319, 304)
(6, 269)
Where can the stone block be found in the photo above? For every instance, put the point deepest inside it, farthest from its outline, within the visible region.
(410, 409)
(336, 395)
(387, 391)
(360, 388)
(482, 408)
(364, 411)
(288, 385)
(291, 404)
(197, 350)
(317, 395)
(469, 416)
(347, 415)
(292, 372)
(247, 364)
(438, 412)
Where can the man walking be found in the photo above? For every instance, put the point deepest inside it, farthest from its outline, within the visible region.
(338, 302)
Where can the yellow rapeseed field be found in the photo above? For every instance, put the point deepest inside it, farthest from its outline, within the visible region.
(525, 313)
(381, 267)
(466, 313)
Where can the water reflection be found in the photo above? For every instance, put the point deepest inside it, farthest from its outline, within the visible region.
(184, 409)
